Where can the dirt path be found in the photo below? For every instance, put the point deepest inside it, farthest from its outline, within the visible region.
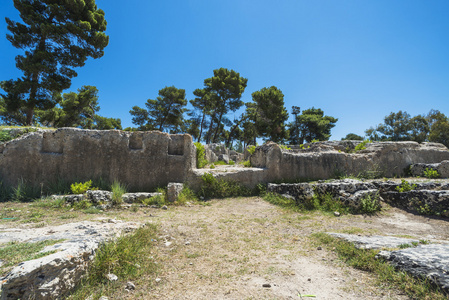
(230, 249)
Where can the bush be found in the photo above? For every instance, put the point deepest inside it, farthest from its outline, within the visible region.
(214, 188)
(158, 200)
(186, 195)
(5, 136)
(405, 186)
(118, 190)
(81, 188)
(247, 163)
(361, 146)
(431, 173)
(200, 155)
(369, 205)
(251, 149)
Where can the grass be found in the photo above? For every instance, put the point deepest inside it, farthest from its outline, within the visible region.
(118, 190)
(385, 273)
(126, 257)
(214, 188)
(14, 252)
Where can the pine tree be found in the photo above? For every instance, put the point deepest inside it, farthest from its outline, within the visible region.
(57, 36)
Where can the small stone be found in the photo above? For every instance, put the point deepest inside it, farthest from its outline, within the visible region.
(111, 277)
(130, 286)
(167, 244)
(336, 213)
(266, 285)
(164, 207)
(103, 298)
(335, 279)
(158, 280)
(309, 279)
(114, 221)
(191, 264)
(319, 248)
(187, 243)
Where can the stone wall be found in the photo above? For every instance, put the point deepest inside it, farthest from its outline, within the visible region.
(324, 160)
(141, 160)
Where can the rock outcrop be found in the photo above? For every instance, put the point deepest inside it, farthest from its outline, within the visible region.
(442, 168)
(52, 276)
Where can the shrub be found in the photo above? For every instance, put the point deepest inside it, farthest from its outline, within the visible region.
(247, 163)
(214, 188)
(81, 188)
(5, 136)
(431, 173)
(200, 155)
(158, 200)
(369, 204)
(186, 195)
(361, 146)
(118, 190)
(285, 147)
(24, 191)
(251, 149)
(405, 186)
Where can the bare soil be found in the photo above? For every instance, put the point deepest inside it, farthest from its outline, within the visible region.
(246, 248)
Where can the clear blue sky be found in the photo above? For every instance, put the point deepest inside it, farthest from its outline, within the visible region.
(356, 60)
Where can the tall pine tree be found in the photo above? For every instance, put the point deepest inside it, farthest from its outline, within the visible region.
(56, 36)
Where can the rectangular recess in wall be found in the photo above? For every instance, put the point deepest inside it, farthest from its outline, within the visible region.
(136, 141)
(176, 145)
(51, 144)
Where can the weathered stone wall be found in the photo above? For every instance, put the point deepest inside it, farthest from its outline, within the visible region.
(141, 160)
(325, 160)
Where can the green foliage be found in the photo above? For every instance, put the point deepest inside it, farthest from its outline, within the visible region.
(118, 190)
(56, 37)
(361, 146)
(186, 195)
(311, 125)
(352, 137)
(24, 192)
(158, 200)
(78, 110)
(126, 257)
(268, 114)
(83, 204)
(5, 136)
(50, 202)
(201, 160)
(214, 188)
(81, 188)
(285, 147)
(247, 163)
(405, 186)
(281, 201)
(220, 95)
(164, 114)
(431, 173)
(369, 204)
(385, 273)
(251, 149)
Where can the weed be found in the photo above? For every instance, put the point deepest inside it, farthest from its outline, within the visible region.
(431, 173)
(50, 202)
(361, 146)
(386, 274)
(285, 147)
(81, 188)
(186, 195)
(404, 246)
(369, 204)
(158, 200)
(91, 210)
(247, 163)
(201, 160)
(126, 257)
(24, 191)
(212, 166)
(405, 186)
(281, 201)
(118, 190)
(83, 204)
(15, 252)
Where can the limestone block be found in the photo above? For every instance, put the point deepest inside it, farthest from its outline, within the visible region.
(173, 191)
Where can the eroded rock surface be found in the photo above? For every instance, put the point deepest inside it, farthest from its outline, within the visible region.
(425, 261)
(52, 276)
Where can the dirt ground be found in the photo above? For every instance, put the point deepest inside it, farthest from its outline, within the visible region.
(246, 248)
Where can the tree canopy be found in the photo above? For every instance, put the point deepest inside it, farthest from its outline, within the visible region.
(165, 113)
(56, 37)
(311, 125)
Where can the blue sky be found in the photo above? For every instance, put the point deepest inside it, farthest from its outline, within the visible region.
(356, 60)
